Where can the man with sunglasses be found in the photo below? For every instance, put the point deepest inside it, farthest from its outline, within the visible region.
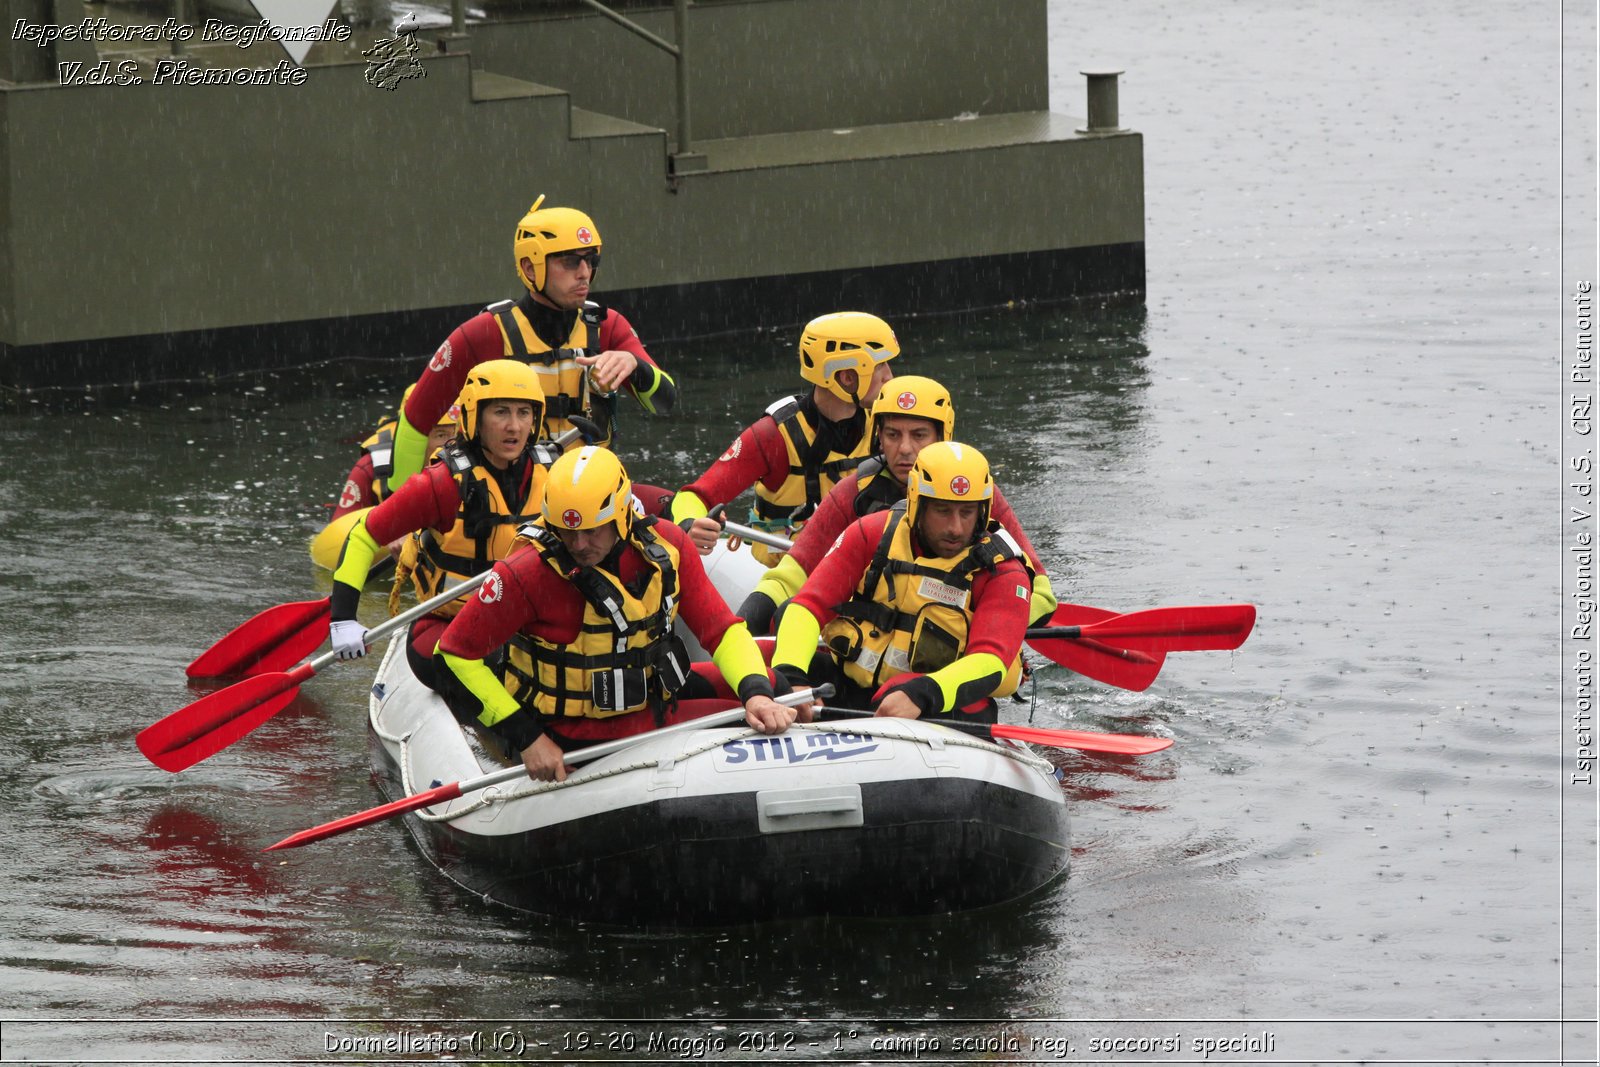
(583, 353)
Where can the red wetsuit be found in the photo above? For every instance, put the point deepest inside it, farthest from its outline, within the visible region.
(838, 510)
(431, 500)
(756, 455)
(999, 615)
(478, 340)
(360, 488)
(532, 598)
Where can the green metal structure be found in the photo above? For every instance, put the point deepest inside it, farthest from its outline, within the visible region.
(897, 156)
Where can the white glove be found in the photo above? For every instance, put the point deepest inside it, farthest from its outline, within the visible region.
(348, 638)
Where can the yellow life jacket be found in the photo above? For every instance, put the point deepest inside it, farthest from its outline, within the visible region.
(626, 656)
(484, 532)
(912, 614)
(380, 446)
(565, 382)
(814, 469)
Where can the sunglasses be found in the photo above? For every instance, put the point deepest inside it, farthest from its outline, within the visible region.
(572, 260)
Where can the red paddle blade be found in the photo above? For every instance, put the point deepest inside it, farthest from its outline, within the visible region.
(1124, 744)
(425, 799)
(216, 721)
(1097, 659)
(1192, 629)
(1102, 662)
(274, 640)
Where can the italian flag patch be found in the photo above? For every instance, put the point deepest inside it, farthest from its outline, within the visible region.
(1022, 592)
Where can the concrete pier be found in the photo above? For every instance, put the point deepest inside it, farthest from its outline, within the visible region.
(856, 153)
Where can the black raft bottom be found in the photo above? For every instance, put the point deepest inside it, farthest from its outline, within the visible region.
(928, 846)
(663, 314)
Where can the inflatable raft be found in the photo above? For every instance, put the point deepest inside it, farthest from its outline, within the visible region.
(876, 817)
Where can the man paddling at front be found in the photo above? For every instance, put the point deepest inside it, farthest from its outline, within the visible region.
(921, 608)
(587, 610)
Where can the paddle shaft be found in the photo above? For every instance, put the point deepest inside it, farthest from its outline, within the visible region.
(1083, 740)
(207, 726)
(410, 615)
(761, 537)
(452, 790)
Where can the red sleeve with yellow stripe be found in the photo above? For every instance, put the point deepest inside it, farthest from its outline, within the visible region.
(756, 455)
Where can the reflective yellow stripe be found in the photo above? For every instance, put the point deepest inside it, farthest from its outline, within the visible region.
(356, 559)
(481, 683)
(737, 656)
(655, 383)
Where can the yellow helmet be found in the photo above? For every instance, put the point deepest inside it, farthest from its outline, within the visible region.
(917, 397)
(588, 487)
(542, 232)
(946, 470)
(498, 379)
(845, 340)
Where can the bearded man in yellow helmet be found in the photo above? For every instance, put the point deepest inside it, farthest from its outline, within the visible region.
(586, 614)
(804, 444)
(464, 510)
(910, 414)
(922, 608)
(583, 352)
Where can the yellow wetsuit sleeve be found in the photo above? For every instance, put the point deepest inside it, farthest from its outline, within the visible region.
(410, 451)
(738, 658)
(782, 580)
(355, 559)
(1042, 604)
(797, 638)
(495, 703)
(968, 679)
(688, 506)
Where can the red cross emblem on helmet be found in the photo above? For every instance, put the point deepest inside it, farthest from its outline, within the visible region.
(960, 486)
(571, 519)
(907, 400)
(585, 235)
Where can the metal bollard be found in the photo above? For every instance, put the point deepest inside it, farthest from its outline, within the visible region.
(1102, 98)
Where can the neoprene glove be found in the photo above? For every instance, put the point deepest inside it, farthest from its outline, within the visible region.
(348, 638)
